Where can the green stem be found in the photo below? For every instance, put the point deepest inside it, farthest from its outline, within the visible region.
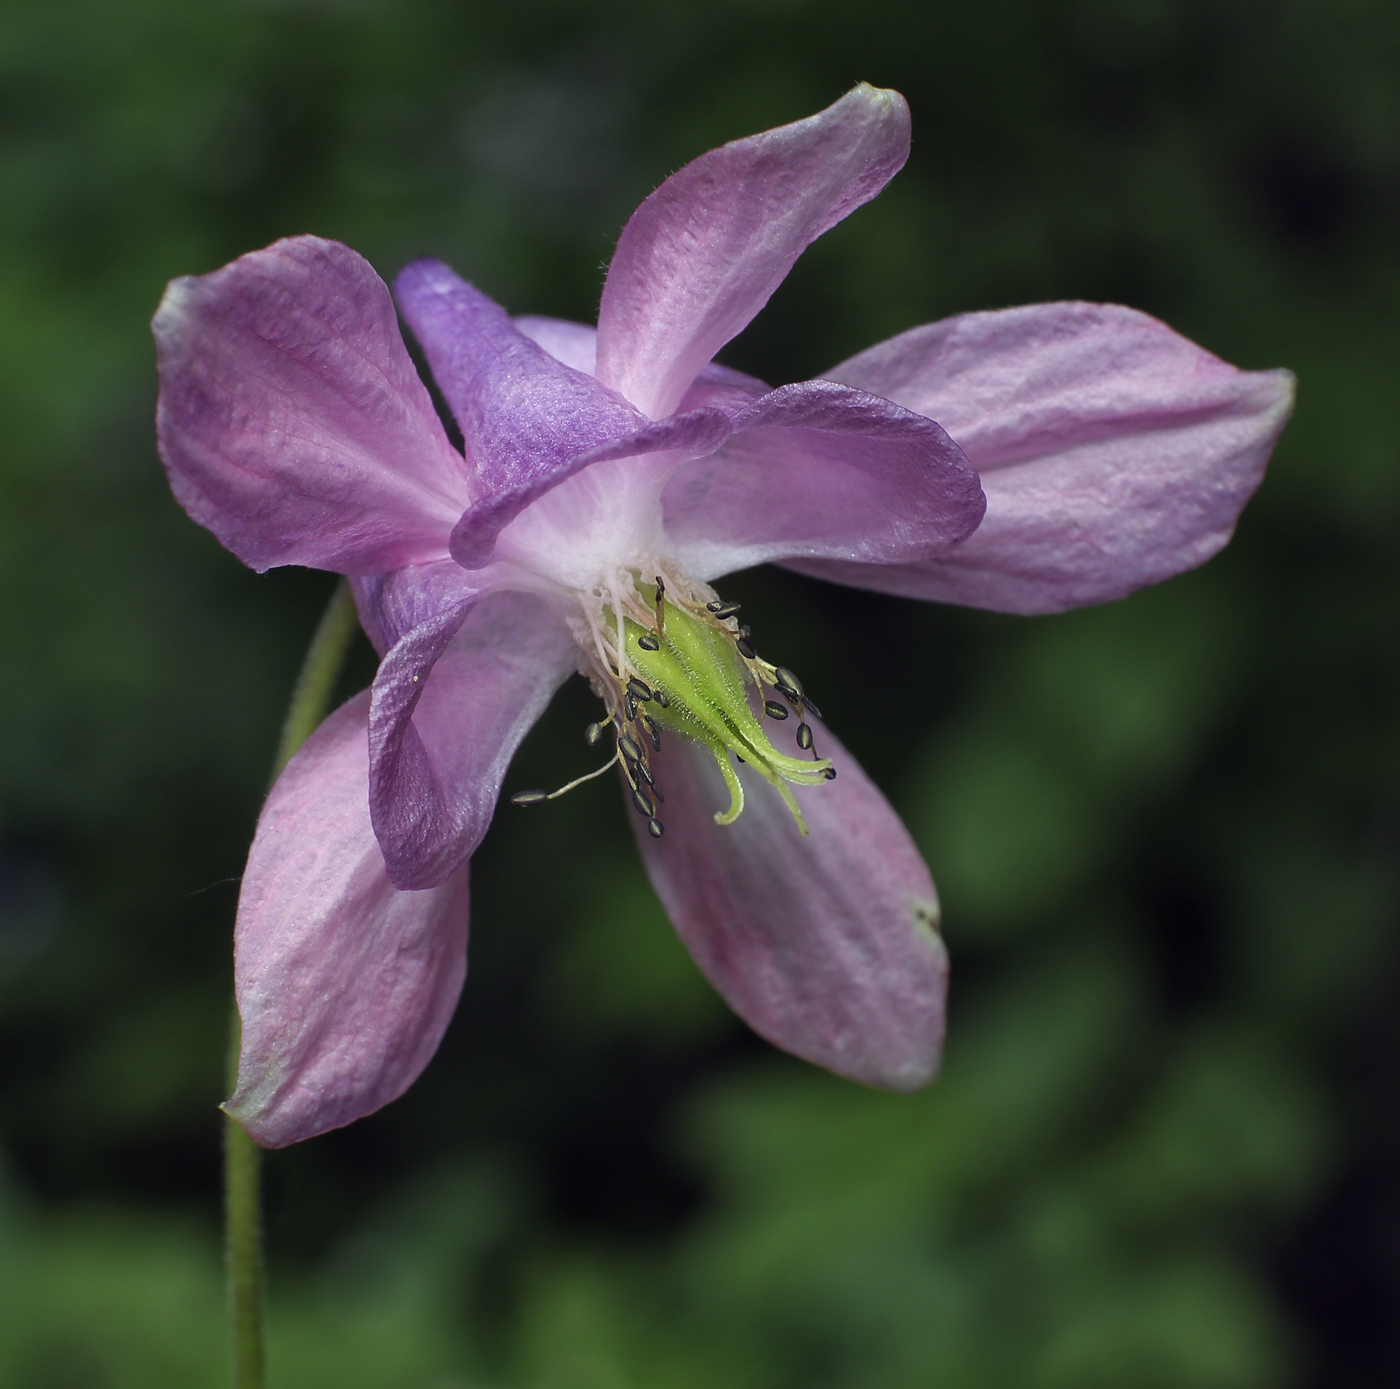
(243, 1232)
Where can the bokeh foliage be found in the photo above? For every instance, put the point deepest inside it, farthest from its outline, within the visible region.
(1164, 1153)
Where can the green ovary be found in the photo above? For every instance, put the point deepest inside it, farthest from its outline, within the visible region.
(705, 681)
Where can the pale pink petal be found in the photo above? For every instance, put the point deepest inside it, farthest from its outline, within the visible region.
(345, 984)
(291, 420)
(701, 256)
(452, 700)
(819, 470)
(1114, 452)
(827, 946)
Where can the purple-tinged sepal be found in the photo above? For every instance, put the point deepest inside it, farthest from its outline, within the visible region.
(292, 422)
(345, 984)
(701, 256)
(827, 943)
(1113, 451)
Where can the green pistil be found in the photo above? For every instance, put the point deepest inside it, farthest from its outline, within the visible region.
(705, 682)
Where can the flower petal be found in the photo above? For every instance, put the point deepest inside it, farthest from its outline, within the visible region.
(439, 747)
(574, 344)
(827, 946)
(820, 470)
(291, 420)
(522, 411)
(701, 256)
(1114, 452)
(418, 596)
(345, 985)
(677, 439)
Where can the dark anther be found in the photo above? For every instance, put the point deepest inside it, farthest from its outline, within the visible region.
(660, 588)
(653, 730)
(737, 758)
(629, 749)
(804, 736)
(745, 648)
(743, 631)
(662, 698)
(715, 606)
(643, 803)
(829, 773)
(649, 643)
(774, 710)
(646, 774)
(593, 734)
(655, 828)
(629, 703)
(529, 797)
(639, 688)
(788, 683)
(723, 610)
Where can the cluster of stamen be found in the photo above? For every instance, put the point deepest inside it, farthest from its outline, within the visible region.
(779, 678)
(633, 702)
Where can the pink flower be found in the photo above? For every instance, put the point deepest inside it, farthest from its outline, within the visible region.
(609, 478)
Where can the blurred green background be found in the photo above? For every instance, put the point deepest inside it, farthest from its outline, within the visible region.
(1165, 1152)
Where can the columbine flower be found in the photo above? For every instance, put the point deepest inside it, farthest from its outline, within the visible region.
(609, 478)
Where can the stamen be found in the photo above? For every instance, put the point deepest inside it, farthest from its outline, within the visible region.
(746, 648)
(804, 736)
(643, 803)
(649, 643)
(628, 748)
(723, 610)
(630, 704)
(788, 683)
(593, 734)
(774, 710)
(653, 729)
(639, 688)
(539, 797)
(660, 607)
(830, 773)
(655, 828)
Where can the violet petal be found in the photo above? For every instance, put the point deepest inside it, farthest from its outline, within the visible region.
(345, 985)
(440, 746)
(828, 945)
(1114, 452)
(395, 604)
(291, 421)
(701, 256)
(822, 471)
(523, 413)
(574, 344)
(681, 437)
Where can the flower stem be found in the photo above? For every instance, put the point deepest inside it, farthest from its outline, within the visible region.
(243, 1231)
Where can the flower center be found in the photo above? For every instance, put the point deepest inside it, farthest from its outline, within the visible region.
(684, 664)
